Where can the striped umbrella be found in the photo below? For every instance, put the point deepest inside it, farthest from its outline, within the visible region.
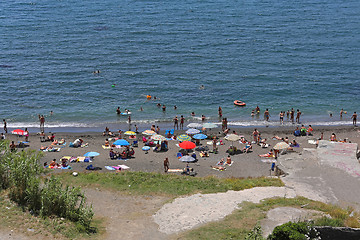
(148, 132)
(158, 137)
(183, 137)
(129, 133)
(18, 132)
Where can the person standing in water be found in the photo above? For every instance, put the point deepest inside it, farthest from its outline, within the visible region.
(220, 112)
(118, 111)
(42, 123)
(292, 112)
(266, 114)
(176, 122)
(5, 125)
(282, 117)
(298, 113)
(182, 120)
(164, 108)
(354, 117)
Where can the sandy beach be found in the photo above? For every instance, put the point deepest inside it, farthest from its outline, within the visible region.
(245, 164)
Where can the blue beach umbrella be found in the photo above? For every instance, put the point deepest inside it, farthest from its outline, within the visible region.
(121, 142)
(146, 149)
(192, 131)
(91, 154)
(183, 137)
(200, 136)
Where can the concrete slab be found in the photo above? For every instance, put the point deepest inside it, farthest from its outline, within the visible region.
(339, 155)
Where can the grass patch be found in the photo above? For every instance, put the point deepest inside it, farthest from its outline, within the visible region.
(13, 217)
(241, 222)
(173, 185)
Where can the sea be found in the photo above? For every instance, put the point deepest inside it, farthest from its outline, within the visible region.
(195, 55)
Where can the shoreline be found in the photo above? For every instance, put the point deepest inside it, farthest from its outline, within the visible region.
(99, 127)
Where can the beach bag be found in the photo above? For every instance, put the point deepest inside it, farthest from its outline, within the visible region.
(297, 133)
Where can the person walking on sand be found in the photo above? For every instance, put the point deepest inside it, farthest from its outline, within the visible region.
(42, 123)
(266, 114)
(166, 164)
(298, 113)
(214, 144)
(182, 120)
(176, 122)
(255, 135)
(26, 135)
(5, 125)
(353, 117)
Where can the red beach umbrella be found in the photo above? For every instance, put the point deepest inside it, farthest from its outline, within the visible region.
(18, 132)
(187, 145)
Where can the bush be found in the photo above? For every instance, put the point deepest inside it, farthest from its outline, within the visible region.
(20, 171)
(294, 231)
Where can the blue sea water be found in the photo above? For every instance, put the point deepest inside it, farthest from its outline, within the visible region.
(274, 54)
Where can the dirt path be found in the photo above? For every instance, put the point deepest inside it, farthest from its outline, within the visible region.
(126, 216)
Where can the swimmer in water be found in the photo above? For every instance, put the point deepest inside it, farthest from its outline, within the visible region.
(118, 110)
(96, 72)
(202, 87)
(141, 109)
(193, 114)
(175, 107)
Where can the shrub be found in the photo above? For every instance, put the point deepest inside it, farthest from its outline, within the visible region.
(294, 231)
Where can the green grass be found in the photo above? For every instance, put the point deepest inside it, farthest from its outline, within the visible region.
(13, 217)
(166, 184)
(241, 222)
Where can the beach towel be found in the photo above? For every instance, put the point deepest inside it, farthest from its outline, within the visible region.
(109, 168)
(268, 160)
(229, 164)
(67, 167)
(211, 143)
(104, 147)
(124, 167)
(312, 142)
(175, 170)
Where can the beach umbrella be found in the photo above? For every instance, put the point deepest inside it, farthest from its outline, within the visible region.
(210, 125)
(148, 132)
(158, 137)
(187, 145)
(146, 149)
(121, 142)
(130, 133)
(232, 137)
(187, 158)
(194, 125)
(91, 154)
(192, 131)
(18, 132)
(200, 136)
(281, 146)
(183, 137)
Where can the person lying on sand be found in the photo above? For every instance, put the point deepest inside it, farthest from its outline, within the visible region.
(218, 168)
(269, 154)
(221, 162)
(247, 148)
